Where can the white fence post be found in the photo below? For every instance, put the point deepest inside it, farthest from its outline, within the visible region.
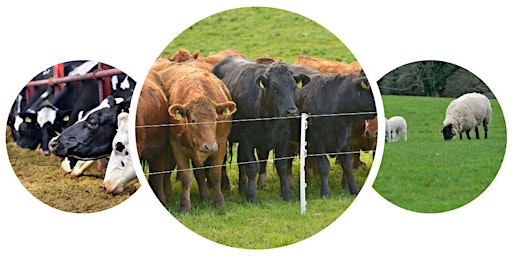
(302, 157)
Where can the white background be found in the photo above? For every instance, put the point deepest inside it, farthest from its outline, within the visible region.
(382, 36)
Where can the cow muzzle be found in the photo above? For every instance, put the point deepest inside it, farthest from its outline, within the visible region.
(209, 147)
(292, 112)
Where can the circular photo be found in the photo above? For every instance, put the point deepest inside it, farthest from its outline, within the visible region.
(67, 136)
(256, 128)
(445, 137)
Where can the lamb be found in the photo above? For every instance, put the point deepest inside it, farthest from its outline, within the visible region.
(465, 113)
(394, 127)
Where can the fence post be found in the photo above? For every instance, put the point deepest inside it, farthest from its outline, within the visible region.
(302, 158)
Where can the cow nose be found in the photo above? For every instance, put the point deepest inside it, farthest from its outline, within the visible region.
(53, 145)
(209, 147)
(292, 112)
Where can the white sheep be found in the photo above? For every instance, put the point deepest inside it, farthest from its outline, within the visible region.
(394, 127)
(465, 113)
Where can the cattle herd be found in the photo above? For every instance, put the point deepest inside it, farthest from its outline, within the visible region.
(76, 120)
(193, 110)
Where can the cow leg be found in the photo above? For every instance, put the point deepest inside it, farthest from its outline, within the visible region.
(346, 164)
(249, 166)
(186, 179)
(159, 183)
(282, 170)
(215, 176)
(323, 168)
(156, 183)
(200, 175)
(167, 186)
(225, 184)
(477, 133)
(262, 174)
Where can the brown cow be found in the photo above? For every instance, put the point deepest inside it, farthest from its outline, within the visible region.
(328, 66)
(152, 140)
(197, 101)
(214, 58)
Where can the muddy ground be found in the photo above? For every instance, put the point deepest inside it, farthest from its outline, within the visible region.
(42, 177)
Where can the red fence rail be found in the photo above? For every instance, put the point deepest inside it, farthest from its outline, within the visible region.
(93, 75)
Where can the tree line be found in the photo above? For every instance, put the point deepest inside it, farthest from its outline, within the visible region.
(432, 78)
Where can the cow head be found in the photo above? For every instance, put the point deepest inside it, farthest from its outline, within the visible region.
(363, 100)
(120, 171)
(200, 117)
(91, 136)
(52, 121)
(278, 85)
(26, 130)
(448, 132)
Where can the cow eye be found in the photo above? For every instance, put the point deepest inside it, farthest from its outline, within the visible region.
(92, 124)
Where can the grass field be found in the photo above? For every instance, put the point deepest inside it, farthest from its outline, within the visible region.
(261, 32)
(270, 222)
(428, 174)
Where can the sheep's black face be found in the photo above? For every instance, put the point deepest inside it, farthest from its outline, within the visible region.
(448, 133)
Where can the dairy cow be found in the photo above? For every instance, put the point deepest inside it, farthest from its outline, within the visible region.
(120, 172)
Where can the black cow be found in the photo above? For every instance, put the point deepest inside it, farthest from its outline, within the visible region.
(334, 94)
(91, 136)
(36, 120)
(260, 91)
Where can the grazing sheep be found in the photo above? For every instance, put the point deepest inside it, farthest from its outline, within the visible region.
(465, 113)
(394, 127)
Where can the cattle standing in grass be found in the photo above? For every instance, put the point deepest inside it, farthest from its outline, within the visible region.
(153, 137)
(338, 100)
(260, 91)
(197, 101)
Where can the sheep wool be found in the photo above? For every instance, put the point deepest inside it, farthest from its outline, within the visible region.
(466, 113)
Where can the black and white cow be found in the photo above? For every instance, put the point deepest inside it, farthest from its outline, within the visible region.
(64, 108)
(120, 172)
(260, 91)
(90, 138)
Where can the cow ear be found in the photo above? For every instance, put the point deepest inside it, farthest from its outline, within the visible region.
(262, 80)
(301, 80)
(226, 108)
(176, 111)
(28, 117)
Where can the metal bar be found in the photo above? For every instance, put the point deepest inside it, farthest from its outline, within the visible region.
(93, 75)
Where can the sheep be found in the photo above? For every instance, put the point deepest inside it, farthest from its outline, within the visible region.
(465, 113)
(394, 127)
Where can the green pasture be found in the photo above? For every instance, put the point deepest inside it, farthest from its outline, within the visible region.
(270, 222)
(428, 174)
(261, 32)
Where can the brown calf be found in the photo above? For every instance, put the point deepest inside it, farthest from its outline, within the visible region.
(200, 108)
